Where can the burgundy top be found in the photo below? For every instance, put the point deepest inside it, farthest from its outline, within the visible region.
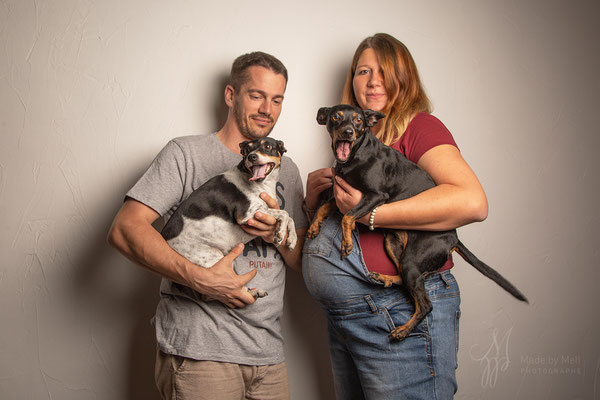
(423, 133)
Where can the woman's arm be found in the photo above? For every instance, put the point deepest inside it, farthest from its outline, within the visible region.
(457, 200)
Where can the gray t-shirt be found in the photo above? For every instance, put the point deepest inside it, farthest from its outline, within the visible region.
(186, 325)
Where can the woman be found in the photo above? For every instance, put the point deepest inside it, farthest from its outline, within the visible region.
(366, 363)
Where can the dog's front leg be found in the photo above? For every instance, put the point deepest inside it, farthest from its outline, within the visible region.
(322, 213)
(348, 225)
(292, 236)
(368, 202)
(285, 225)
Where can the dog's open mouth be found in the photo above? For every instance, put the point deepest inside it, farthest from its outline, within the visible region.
(342, 150)
(261, 171)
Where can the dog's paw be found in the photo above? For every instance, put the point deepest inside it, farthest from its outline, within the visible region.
(376, 276)
(278, 238)
(387, 280)
(313, 231)
(281, 229)
(347, 248)
(292, 239)
(400, 333)
(257, 293)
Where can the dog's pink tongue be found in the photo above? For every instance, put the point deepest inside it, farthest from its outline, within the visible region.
(259, 172)
(343, 150)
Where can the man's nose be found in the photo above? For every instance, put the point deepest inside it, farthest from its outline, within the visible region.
(265, 107)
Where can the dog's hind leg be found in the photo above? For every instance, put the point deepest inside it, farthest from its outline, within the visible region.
(416, 288)
(257, 293)
(387, 280)
(394, 243)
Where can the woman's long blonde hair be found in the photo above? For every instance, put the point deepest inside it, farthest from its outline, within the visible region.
(402, 84)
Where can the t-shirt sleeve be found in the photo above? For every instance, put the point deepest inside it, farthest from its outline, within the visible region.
(162, 185)
(424, 133)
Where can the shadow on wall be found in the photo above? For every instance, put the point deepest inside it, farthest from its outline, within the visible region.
(305, 318)
(220, 109)
(123, 298)
(116, 290)
(137, 296)
(309, 327)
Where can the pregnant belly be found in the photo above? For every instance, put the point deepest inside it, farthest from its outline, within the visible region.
(332, 283)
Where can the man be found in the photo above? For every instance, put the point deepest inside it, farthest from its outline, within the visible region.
(230, 348)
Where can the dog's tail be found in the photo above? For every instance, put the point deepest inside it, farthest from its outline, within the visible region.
(488, 271)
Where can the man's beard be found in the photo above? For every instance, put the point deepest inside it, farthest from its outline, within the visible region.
(243, 126)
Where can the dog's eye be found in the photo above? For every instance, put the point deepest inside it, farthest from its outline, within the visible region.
(335, 117)
(359, 120)
(268, 147)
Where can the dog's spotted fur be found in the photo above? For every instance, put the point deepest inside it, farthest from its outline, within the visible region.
(206, 226)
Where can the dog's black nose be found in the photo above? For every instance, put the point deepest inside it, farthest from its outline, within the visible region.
(252, 157)
(348, 131)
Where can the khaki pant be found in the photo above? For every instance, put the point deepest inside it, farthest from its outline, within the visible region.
(179, 378)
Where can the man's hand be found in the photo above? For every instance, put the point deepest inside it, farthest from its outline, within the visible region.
(134, 236)
(220, 282)
(263, 225)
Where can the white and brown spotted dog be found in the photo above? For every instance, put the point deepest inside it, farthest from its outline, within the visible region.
(206, 226)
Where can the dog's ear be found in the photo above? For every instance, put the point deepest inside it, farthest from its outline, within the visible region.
(245, 147)
(281, 147)
(322, 115)
(371, 117)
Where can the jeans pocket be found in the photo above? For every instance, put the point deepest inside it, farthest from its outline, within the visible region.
(323, 243)
(399, 314)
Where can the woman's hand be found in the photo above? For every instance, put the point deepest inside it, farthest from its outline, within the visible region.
(346, 197)
(317, 182)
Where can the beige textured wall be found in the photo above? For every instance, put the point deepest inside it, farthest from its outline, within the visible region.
(90, 91)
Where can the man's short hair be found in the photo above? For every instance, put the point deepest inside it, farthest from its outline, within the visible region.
(239, 68)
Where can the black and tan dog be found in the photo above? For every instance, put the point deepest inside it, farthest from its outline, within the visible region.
(385, 175)
(206, 226)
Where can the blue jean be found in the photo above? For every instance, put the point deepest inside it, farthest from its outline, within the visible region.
(367, 364)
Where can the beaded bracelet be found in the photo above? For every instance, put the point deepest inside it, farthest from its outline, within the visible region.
(372, 219)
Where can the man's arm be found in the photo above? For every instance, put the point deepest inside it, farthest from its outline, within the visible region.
(133, 235)
(293, 258)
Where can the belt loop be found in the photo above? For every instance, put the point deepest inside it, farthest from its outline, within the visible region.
(445, 278)
(371, 304)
